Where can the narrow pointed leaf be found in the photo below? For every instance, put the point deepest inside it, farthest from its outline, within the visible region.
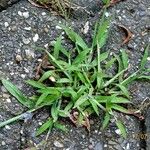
(144, 59)
(122, 128)
(45, 126)
(60, 126)
(41, 98)
(17, 93)
(45, 76)
(120, 108)
(125, 59)
(106, 120)
(36, 84)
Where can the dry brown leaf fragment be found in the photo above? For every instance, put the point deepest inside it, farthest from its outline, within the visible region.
(74, 118)
(128, 34)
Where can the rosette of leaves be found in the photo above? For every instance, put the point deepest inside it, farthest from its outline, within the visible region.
(79, 84)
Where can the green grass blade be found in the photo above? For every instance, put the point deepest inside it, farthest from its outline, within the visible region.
(13, 90)
(41, 99)
(75, 38)
(46, 75)
(130, 79)
(60, 126)
(124, 90)
(63, 80)
(106, 120)
(36, 84)
(122, 128)
(110, 63)
(114, 78)
(144, 77)
(144, 59)
(94, 105)
(45, 126)
(81, 100)
(57, 47)
(102, 33)
(54, 112)
(120, 108)
(58, 65)
(125, 60)
(81, 57)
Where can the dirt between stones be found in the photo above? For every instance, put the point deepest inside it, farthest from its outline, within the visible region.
(19, 24)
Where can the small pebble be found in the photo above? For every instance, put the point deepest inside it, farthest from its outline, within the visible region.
(46, 45)
(13, 28)
(40, 123)
(7, 127)
(107, 14)
(18, 58)
(52, 79)
(6, 95)
(6, 24)
(148, 58)
(99, 146)
(58, 27)
(8, 100)
(43, 13)
(36, 37)
(86, 27)
(58, 144)
(26, 40)
(23, 76)
(128, 146)
(118, 131)
(29, 54)
(27, 28)
(90, 146)
(46, 30)
(25, 14)
(3, 143)
(20, 13)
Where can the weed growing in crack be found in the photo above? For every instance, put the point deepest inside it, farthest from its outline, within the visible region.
(81, 85)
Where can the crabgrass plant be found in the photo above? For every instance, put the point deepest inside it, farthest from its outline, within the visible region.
(80, 83)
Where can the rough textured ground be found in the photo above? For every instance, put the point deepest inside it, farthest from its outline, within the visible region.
(23, 26)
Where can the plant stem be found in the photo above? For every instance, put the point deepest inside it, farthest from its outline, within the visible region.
(17, 117)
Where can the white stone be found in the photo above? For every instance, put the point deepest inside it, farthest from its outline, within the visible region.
(6, 24)
(8, 100)
(26, 40)
(52, 79)
(36, 37)
(118, 131)
(20, 13)
(26, 70)
(46, 45)
(58, 27)
(29, 53)
(105, 145)
(86, 27)
(58, 144)
(43, 13)
(7, 127)
(27, 28)
(23, 76)
(3, 143)
(128, 146)
(40, 123)
(148, 58)
(25, 14)
(107, 14)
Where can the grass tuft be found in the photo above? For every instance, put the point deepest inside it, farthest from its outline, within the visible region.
(81, 86)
